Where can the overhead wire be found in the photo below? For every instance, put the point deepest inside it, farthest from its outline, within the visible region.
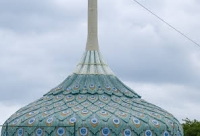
(184, 35)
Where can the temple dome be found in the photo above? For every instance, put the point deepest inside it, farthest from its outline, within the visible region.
(92, 101)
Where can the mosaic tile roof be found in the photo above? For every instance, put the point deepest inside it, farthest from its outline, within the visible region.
(98, 102)
(92, 101)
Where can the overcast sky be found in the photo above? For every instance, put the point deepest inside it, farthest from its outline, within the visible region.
(41, 41)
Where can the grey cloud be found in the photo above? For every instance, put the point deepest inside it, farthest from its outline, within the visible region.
(38, 16)
(155, 62)
(34, 65)
(182, 101)
(150, 51)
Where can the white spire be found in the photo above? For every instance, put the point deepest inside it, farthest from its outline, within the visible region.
(92, 40)
(92, 61)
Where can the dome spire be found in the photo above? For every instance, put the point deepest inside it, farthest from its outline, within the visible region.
(92, 39)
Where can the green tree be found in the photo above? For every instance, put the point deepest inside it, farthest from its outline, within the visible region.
(191, 127)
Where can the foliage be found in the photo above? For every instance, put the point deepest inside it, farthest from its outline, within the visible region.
(191, 127)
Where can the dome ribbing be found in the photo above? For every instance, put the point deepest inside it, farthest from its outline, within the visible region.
(93, 101)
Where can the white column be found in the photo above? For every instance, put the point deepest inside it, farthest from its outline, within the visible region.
(92, 40)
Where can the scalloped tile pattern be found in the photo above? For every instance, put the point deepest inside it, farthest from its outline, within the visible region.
(98, 102)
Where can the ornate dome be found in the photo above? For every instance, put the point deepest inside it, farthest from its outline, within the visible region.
(92, 101)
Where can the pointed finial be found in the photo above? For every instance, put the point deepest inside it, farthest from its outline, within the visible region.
(92, 40)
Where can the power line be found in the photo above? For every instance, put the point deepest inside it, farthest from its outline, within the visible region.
(167, 23)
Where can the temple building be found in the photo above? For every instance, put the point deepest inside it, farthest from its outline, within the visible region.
(92, 101)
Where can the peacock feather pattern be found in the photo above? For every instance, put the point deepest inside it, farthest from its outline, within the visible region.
(97, 103)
